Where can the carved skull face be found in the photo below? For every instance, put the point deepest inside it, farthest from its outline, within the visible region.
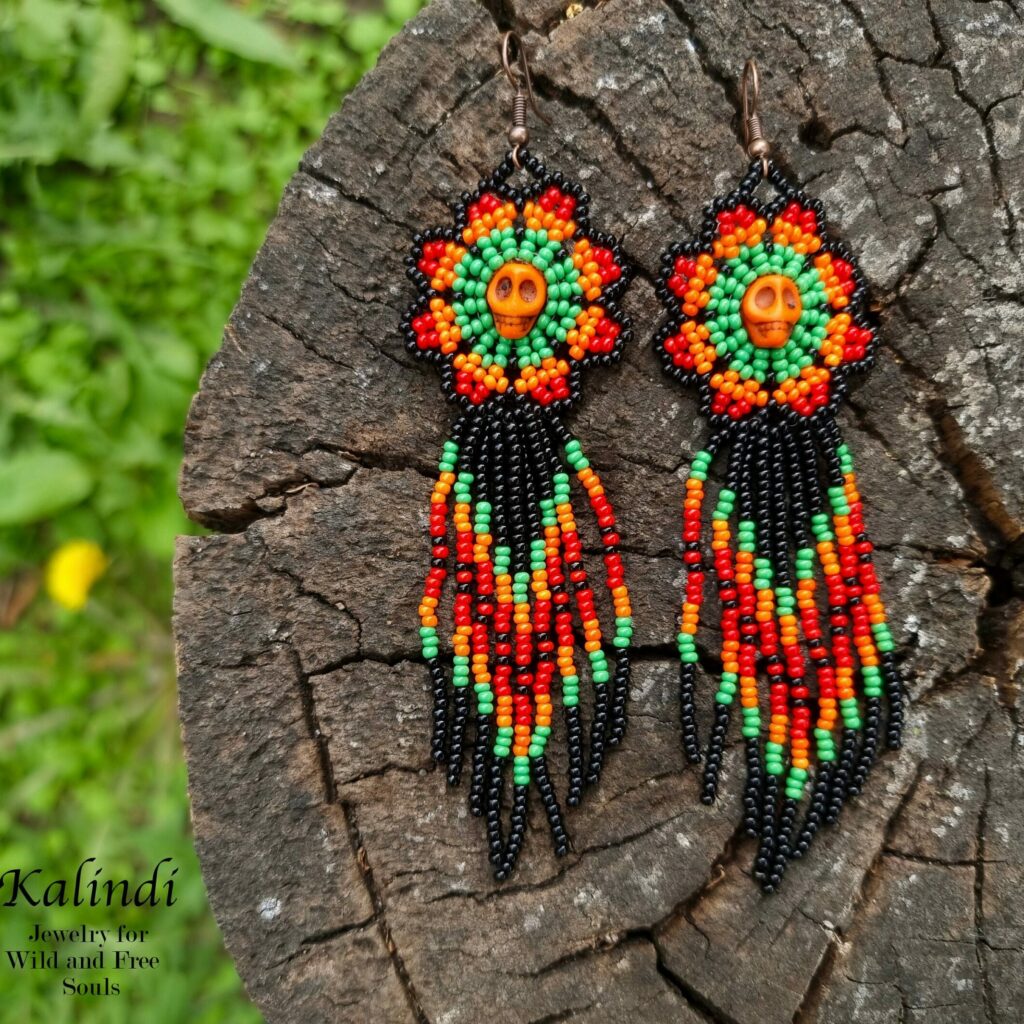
(516, 295)
(770, 308)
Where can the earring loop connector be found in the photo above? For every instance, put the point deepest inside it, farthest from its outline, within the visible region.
(756, 144)
(517, 71)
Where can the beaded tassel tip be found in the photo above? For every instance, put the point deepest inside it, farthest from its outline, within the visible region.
(514, 300)
(768, 317)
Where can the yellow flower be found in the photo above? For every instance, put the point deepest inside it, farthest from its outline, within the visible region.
(72, 570)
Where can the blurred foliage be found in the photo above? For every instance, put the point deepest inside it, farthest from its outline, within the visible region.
(143, 148)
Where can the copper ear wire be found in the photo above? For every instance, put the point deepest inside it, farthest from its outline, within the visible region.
(753, 135)
(517, 71)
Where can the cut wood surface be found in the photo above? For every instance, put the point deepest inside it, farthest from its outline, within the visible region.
(349, 883)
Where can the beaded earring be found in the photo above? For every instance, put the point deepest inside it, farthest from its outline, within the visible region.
(768, 315)
(514, 300)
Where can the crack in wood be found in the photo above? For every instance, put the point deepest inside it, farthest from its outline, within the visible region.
(979, 904)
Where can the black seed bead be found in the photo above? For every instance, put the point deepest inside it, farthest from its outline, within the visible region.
(598, 729)
(784, 834)
(620, 694)
(559, 838)
(688, 711)
(765, 858)
(439, 686)
(517, 831)
(848, 756)
(481, 752)
(894, 693)
(714, 754)
(842, 773)
(753, 796)
(869, 745)
(495, 788)
(574, 744)
(456, 739)
(799, 510)
(817, 811)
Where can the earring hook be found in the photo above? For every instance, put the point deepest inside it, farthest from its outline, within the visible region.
(756, 144)
(517, 71)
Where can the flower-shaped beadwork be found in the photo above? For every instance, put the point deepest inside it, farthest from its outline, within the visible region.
(519, 294)
(765, 309)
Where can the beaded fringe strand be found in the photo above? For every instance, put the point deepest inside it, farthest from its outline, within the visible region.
(518, 573)
(799, 512)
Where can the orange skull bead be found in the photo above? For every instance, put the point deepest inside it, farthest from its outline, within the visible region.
(770, 308)
(516, 296)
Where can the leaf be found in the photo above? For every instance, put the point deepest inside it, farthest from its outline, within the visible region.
(367, 33)
(36, 482)
(44, 28)
(107, 69)
(400, 11)
(220, 24)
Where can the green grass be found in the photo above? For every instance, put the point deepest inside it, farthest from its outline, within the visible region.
(143, 148)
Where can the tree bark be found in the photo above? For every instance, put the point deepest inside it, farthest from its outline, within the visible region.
(349, 884)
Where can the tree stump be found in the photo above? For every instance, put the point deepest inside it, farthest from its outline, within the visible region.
(349, 884)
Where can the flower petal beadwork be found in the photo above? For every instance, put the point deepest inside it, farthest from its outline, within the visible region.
(543, 225)
(707, 341)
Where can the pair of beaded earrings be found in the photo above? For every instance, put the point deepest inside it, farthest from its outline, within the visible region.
(767, 316)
